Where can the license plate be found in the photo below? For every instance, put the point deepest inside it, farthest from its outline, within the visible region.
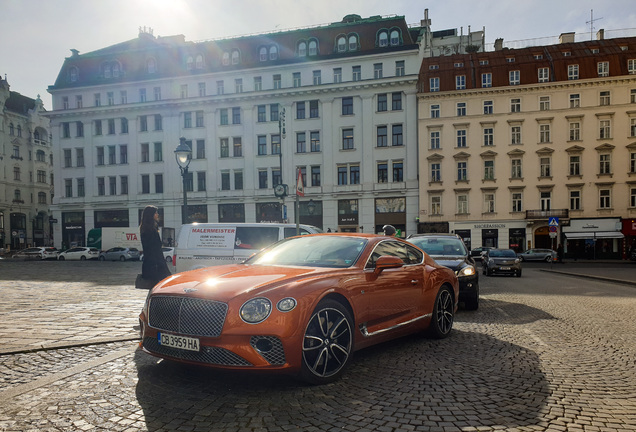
(179, 342)
(504, 268)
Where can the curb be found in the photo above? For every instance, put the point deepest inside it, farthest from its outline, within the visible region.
(587, 276)
(62, 345)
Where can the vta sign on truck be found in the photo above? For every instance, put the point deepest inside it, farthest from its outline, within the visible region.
(108, 237)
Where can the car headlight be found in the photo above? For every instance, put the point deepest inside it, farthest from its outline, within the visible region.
(466, 271)
(286, 304)
(256, 310)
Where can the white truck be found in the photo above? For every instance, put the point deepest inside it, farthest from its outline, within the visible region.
(108, 237)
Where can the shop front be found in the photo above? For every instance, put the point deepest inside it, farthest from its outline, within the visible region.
(348, 215)
(506, 234)
(73, 229)
(599, 238)
(629, 231)
(391, 211)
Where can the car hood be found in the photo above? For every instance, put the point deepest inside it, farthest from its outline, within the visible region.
(504, 260)
(228, 281)
(452, 262)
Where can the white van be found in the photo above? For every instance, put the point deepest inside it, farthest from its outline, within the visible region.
(209, 244)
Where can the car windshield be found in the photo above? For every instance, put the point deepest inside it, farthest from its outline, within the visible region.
(308, 251)
(436, 246)
(508, 253)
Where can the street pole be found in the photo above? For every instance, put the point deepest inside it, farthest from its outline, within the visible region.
(184, 209)
(281, 134)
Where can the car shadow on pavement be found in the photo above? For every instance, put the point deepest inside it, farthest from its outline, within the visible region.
(501, 312)
(467, 380)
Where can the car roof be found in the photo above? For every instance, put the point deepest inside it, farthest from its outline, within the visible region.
(432, 235)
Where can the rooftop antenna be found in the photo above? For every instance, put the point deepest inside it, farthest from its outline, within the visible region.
(591, 23)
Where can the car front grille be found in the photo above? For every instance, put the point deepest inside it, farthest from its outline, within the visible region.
(275, 355)
(207, 355)
(187, 316)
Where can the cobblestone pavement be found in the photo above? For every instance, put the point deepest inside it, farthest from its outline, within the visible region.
(545, 352)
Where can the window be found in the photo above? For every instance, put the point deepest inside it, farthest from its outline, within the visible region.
(238, 180)
(357, 73)
(489, 170)
(81, 191)
(261, 113)
(200, 151)
(80, 104)
(237, 147)
(100, 155)
(397, 136)
(68, 188)
(145, 184)
(605, 164)
(145, 152)
(313, 109)
(238, 85)
(142, 95)
(337, 75)
(276, 178)
(354, 174)
(112, 185)
(436, 205)
(111, 126)
(573, 72)
(296, 79)
(236, 115)
(157, 93)
(261, 141)
(277, 81)
(187, 119)
(347, 106)
(544, 75)
(223, 116)
(544, 103)
(398, 171)
(461, 109)
(632, 162)
(632, 96)
(489, 202)
(605, 199)
(315, 141)
(317, 77)
(435, 140)
(545, 200)
(515, 105)
(300, 110)
(603, 69)
(201, 89)
(461, 138)
(462, 204)
(545, 167)
(489, 136)
(436, 172)
(631, 66)
(544, 133)
(112, 155)
(68, 159)
(604, 98)
(273, 53)
(516, 169)
(301, 142)
(262, 179)
(158, 122)
(575, 165)
(143, 123)
(486, 79)
(488, 107)
(382, 140)
(462, 171)
(575, 200)
(433, 84)
(435, 111)
(101, 187)
(123, 154)
(123, 96)
(79, 129)
(396, 101)
(460, 82)
(315, 176)
(514, 77)
(123, 125)
(258, 83)
(111, 98)
(65, 104)
(342, 175)
(275, 144)
(383, 172)
(273, 112)
(575, 100)
(353, 43)
(382, 102)
(225, 180)
(575, 131)
(604, 129)
(201, 181)
(66, 130)
(347, 139)
(220, 87)
(632, 127)
(224, 147)
(399, 68)
(517, 200)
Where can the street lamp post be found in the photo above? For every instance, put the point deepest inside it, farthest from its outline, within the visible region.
(183, 154)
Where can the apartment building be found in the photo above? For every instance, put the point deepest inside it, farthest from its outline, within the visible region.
(26, 171)
(532, 147)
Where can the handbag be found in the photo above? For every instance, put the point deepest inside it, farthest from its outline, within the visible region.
(142, 283)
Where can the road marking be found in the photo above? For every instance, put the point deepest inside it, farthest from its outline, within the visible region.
(41, 382)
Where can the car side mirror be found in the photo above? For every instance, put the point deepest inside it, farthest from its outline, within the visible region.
(387, 262)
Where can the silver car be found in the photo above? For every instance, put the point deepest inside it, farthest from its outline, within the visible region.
(38, 252)
(120, 254)
(547, 255)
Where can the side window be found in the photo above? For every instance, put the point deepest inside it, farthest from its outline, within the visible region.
(407, 253)
(291, 232)
(255, 237)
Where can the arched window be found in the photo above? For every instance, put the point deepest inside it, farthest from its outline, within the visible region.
(353, 43)
(190, 63)
(107, 71)
(236, 57)
(36, 136)
(151, 65)
(199, 62)
(11, 131)
(19, 130)
(342, 44)
(302, 49)
(115, 70)
(395, 38)
(262, 54)
(73, 74)
(273, 52)
(313, 47)
(226, 58)
(383, 39)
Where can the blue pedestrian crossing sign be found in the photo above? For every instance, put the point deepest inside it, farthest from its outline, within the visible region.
(553, 221)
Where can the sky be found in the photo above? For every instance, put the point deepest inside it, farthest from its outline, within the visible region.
(37, 35)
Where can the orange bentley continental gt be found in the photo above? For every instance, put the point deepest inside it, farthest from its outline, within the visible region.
(301, 306)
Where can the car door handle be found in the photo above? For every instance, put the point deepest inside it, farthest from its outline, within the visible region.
(414, 281)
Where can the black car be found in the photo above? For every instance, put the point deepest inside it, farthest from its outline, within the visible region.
(450, 251)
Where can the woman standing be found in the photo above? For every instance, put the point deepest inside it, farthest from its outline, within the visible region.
(154, 267)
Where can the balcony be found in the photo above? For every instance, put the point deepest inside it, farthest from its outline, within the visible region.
(545, 214)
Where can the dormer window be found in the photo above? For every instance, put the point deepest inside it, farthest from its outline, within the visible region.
(395, 38)
(73, 73)
(190, 63)
(226, 58)
(116, 70)
(151, 66)
(483, 62)
(199, 61)
(353, 43)
(262, 54)
(342, 44)
(107, 72)
(302, 49)
(236, 57)
(567, 53)
(383, 40)
(313, 47)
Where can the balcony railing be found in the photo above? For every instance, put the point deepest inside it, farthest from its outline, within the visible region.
(544, 214)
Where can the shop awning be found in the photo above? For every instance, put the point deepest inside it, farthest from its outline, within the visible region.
(593, 235)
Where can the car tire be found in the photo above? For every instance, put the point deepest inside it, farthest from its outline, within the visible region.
(122, 258)
(327, 344)
(518, 274)
(443, 314)
(102, 258)
(82, 258)
(488, 272)
(472, 303)
(548, 259)
(61, 258)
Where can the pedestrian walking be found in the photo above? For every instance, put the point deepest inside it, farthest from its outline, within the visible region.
(154, 267)
(560, 253)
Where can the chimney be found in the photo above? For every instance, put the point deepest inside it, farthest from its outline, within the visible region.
(566, 38)
(600, 35)
(74, 52)
(498, 44)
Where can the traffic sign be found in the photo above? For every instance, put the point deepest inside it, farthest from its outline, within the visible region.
(553, 229)
(553, 221)
(553, 235)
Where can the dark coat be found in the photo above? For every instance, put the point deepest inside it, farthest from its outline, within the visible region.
(154, 267)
